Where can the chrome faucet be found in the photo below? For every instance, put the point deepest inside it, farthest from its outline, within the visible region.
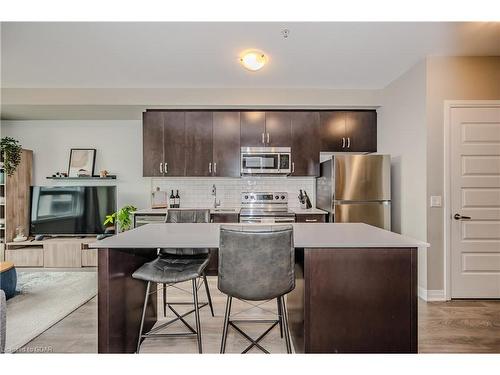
(214, 193)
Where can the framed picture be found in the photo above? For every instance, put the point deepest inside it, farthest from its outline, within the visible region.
(81, 162)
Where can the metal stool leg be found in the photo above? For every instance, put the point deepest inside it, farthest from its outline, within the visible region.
(226, 325)
(280, 317)
(143, 316)
(285, 326)
(197, 315)
(165, 300)
(208, 293)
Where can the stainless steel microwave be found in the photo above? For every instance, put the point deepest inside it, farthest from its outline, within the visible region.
(265, 160)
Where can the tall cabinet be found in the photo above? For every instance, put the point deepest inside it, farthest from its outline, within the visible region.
(15, 200)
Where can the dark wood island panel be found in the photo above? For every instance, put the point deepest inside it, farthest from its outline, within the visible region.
(350, 300)
(121, 298)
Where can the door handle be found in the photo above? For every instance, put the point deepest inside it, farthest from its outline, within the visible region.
(210, 167)
(267, 137)
(311, 220)
(263, 141)
(343, 142)
(293, 167)
(161, 168)
(460, 217)
(166, 168)
(348, 142)
(215, 168)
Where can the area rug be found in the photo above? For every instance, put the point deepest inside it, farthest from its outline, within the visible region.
(43, 299)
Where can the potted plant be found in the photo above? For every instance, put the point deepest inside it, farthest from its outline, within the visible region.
(11, 151)
(121, 218)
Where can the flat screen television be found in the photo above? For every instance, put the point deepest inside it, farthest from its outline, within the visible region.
(71, 210)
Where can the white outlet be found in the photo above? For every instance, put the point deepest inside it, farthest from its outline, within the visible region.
(436, 201)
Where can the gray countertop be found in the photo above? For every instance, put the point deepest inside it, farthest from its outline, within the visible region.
(307, 235)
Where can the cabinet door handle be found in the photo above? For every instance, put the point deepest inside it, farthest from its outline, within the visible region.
(263, 141)
(215, 168)
(210, 167)
(343, 142)
(311, 220)
(161, 168)
(293, 167)
(267, 137)
(348, 142)
(166, 168)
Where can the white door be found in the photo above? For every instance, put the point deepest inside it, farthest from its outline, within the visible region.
(475, 202)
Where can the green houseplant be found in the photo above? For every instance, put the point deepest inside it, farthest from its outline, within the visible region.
(11, 151)
(122, 217)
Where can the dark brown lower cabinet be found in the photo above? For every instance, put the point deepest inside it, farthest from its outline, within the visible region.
(310, 218)
(121, 299)
(354, 300)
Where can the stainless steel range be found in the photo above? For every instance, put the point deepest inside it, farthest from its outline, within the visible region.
(268, 207)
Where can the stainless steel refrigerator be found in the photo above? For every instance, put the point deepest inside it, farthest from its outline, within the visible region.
(356, 189)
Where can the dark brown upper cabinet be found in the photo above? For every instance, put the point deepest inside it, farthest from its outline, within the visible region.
(198, 146)
(361, 131)
(253, 129)
(333, 131)
(278, 129)
(306, 143)
(226, 144)
(174, 158)
(152, 144)
(163, 144)
(349, 131)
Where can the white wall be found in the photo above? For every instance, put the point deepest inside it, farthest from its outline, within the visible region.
(402, 133)
(118, 144)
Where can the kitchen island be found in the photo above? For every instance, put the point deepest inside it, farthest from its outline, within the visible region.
(356, 286)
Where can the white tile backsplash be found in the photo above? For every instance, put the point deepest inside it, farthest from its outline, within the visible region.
(197, 191)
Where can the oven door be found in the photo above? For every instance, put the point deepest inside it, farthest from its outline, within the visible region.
(260, 162)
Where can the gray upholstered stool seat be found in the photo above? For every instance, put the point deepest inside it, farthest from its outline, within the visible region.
(171, 269)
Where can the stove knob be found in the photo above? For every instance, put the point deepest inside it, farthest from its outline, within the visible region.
(276, 197)
(246, 196)
(282, 197)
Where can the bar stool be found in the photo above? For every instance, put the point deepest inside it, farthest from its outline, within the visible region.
(256, 263)
(174, 266)
(186, 216)
(171, 270)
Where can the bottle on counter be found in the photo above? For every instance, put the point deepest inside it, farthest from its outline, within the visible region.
(302, 199)
(177, 200)
(308, 201)
(171, 200)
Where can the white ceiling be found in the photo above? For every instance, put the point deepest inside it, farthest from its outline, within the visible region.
(183, 55)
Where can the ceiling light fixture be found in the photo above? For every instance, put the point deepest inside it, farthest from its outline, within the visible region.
(253, 60)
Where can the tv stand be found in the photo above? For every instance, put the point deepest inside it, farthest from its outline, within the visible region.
(59, 252)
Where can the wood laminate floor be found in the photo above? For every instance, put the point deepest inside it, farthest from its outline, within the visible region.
(462, 326)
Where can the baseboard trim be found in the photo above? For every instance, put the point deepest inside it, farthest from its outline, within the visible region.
(431, 295)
